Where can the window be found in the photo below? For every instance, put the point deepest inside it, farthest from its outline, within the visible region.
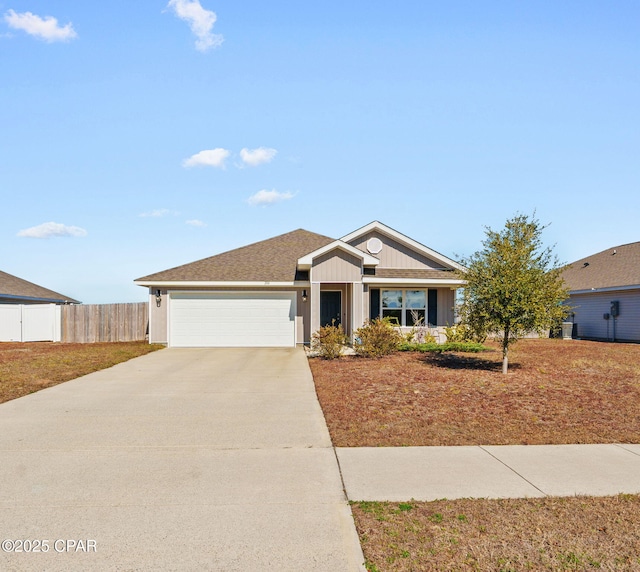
(415, 312)
(392, 305)
(409, 307)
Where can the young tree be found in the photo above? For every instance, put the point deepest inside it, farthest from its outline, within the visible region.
(513, 285)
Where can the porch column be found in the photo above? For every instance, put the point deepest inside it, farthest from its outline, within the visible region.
(357, 303)
(315, 306)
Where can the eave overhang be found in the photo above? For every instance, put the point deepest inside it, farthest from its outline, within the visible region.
(454, 283)
(605, 289)
(170, 284)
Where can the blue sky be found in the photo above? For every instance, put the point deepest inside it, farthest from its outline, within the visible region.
(156, 133)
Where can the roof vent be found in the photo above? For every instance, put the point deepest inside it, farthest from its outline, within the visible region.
(374, 245)
(615, 251)
(585, 265)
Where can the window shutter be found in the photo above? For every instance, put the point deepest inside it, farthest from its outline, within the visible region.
(432, 308)
(374, 303)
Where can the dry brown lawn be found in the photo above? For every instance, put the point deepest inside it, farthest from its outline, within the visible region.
(556, 391)
(577, 533)
(29, 367)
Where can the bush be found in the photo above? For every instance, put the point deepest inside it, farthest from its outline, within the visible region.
(472, 347)
(463, 333)
(327, 342)
(377, 338)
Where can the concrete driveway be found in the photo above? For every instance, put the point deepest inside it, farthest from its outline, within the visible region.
(183, 459)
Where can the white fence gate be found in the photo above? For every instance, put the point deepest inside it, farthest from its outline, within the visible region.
(30, 323)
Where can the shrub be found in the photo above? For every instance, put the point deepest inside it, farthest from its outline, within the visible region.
(471, 347)
(463, 333)
(328, 341)
(377, 338)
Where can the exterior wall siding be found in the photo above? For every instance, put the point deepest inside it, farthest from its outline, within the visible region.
(394, 254)
(303, 318)
(446, 301)
(337, 266)
(158, 318)
(589, 310)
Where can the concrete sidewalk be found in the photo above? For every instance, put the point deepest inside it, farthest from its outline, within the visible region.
(191, 459)
(430, 473)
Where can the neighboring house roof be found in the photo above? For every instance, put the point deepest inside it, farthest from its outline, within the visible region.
(272, 260)
(617, 267)
(17, 290)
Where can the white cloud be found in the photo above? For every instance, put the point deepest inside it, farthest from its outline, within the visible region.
(200, 21)
(265, 197)
(255, 157)
(52, 230)
(158, 213)
(195, 222)
(208, 158)
(46, 28)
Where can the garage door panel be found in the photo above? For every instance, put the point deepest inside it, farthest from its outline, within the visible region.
(228, 319)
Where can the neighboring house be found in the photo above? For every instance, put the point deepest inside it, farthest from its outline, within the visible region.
(605, 294)
(279, 291)
(14, 290)
(28, 312)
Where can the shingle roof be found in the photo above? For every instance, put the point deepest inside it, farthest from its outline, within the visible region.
(616, 266)
(16, 289)
(412, 273)
(272, 260)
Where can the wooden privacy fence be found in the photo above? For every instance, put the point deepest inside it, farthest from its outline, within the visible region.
(87, 323)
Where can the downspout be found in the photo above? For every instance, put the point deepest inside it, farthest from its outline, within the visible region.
(614, 328)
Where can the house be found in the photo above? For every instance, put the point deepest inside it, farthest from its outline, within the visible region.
(28, 312)
(279, 291)
(14, 290)
(605, 294)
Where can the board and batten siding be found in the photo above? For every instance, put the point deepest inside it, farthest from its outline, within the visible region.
(446, 302)
(589, 309)
(336, 266)
(394, 254)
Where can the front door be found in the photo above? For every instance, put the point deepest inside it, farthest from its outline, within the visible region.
(330, 308)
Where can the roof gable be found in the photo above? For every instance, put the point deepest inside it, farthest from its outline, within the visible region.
(306, 261)
(615, 267)
(271, 260)
(421, 249)
(19, 290)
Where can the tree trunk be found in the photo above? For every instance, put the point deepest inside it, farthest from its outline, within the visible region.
(505, 351)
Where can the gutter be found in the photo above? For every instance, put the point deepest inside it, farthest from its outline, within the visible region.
(605, 289)
(59, 301)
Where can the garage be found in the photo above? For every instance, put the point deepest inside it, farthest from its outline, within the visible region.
(232, 319)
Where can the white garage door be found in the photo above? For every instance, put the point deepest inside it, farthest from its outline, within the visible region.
(232, 319)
